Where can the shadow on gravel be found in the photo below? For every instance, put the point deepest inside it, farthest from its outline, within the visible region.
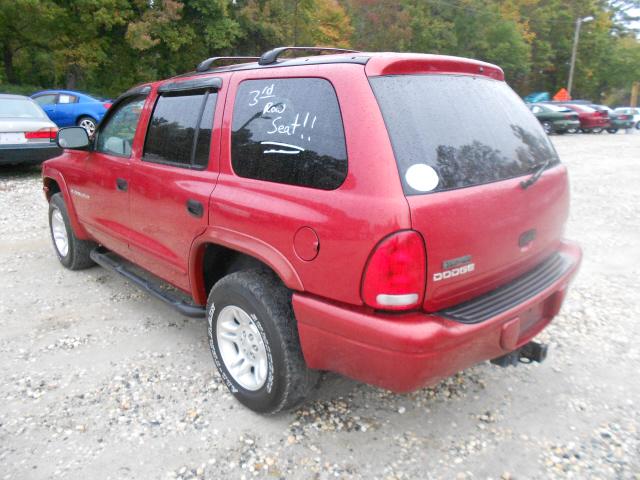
(19, 171)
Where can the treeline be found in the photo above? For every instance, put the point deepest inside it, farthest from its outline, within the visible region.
(105, 46)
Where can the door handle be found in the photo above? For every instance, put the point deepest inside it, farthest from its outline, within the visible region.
(195, 208)
(122, 184)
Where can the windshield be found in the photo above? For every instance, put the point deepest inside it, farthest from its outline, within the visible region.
(451, 131)
(19, 108)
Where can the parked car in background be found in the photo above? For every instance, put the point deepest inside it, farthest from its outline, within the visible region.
(591, 120)
(634, 112)
(555, 118)
(68, 108)
(26, 134)
(617, 121)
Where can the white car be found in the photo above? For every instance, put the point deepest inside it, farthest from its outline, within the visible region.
(26, 133)
(630, 111)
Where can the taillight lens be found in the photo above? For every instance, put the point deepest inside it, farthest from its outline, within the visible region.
(48, 133)
(395, 275)
(107, 105)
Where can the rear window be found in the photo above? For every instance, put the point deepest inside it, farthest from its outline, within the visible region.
(452, 131)
(19, 108)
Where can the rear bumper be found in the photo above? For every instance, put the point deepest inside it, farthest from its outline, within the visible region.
(409, 351)
(622, 124)
(28, 153)
(564, 125)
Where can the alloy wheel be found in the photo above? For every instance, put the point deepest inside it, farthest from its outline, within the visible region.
(59, 232)
(242, 348)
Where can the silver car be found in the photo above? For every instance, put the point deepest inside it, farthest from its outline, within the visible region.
(26, 133)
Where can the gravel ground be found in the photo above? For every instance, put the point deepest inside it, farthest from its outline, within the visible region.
(101, 381)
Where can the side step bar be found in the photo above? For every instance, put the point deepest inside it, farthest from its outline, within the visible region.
(104, 259)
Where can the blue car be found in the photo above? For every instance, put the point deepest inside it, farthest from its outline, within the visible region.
(68, 108)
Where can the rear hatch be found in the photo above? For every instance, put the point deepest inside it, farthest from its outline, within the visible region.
(463, 145)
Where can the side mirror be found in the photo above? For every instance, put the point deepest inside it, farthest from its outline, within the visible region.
(75, 138)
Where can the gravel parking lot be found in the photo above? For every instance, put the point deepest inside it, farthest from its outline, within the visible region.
(98, 380)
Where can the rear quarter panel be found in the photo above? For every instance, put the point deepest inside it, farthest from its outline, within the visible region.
(349, 221)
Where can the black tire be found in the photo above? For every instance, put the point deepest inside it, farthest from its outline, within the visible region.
(572, 130)
(585, 130)
(77, 257)
(612, 130)
(261, 294)
(597, 129)
(548, 127)
(638, 125)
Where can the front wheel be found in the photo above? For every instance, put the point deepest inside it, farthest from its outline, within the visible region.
(72, 252)
(585, 130)
(572, 130)
(253, 338)
(548, 128)
(89, 124)
(612, 130)
(597, 130)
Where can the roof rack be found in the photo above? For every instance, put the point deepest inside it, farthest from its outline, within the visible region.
(271, 56)
(208, 63)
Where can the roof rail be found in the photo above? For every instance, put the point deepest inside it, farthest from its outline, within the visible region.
(206, 64)
(271, 56)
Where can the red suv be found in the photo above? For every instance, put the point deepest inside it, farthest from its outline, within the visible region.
(392, 217)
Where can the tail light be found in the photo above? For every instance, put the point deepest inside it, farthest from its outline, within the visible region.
(395, 275)
(107, 105)
(48, 133)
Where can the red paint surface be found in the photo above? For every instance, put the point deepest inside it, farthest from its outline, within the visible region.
(149, 224)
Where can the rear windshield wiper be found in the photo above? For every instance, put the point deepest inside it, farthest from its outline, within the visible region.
(536, 175)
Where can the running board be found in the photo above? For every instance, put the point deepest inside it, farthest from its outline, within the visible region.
(110, 261)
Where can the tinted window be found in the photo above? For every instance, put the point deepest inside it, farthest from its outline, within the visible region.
(180, 129)
(116, 135)
(451, 131)
(45, 99)
(289, 131)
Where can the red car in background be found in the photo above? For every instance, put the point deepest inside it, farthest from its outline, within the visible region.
(591, 120)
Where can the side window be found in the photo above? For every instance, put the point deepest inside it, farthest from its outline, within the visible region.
(289, 131)
(179, 132)
(64, 98)
(116, 135)
(46, 99)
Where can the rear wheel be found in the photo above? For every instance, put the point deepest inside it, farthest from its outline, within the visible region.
(253, 338)
(548, 127)
(638, 125)
(572, 130)
(612, 130)
(72, 252)
(88, 123)
(597, 130)
(585, 130)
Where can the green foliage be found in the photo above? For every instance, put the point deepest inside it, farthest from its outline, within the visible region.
(106, 46)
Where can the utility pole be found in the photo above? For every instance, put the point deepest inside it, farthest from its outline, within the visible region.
(574, 50)
(634, 94)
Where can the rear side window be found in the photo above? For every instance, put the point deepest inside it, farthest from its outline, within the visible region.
(452, 131)
(179, 132)
(289, 131)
